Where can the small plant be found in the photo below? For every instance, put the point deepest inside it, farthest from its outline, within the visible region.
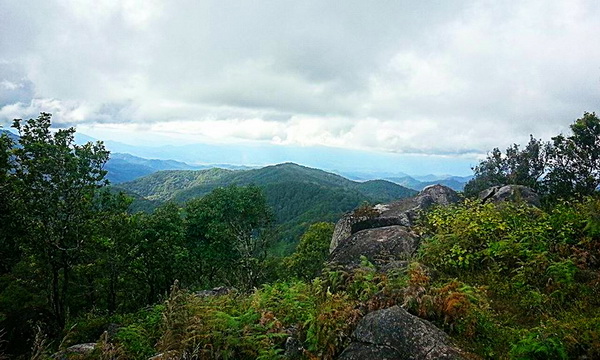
(538, 346)
(365, 210)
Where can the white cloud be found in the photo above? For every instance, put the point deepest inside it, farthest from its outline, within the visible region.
(423, 77)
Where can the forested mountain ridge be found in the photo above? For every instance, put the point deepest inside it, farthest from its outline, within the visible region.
(183, 185)
(297, 194)
(126, 167)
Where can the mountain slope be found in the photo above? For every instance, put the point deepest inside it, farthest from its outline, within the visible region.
(298, 195)
(126, 167)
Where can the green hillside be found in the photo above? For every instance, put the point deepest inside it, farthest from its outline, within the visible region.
(298, 195)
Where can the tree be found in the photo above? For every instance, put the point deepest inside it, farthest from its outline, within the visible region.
(312, 251)
(160, 254)
(56, 181)
(9, 223)
(568, 166)
(515, 166)
(228, 232)
(575, 160)
(107, 262)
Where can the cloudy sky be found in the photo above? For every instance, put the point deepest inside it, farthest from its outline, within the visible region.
(447, 78)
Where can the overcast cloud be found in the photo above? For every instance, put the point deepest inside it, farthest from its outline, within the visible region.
(430, 77)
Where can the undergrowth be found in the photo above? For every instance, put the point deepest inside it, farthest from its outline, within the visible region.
(506, 282)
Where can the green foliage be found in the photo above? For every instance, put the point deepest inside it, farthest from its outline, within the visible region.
(566, 167)
(137, 339)
(229, 230)
(312, 251)
(531, 264)
(537, 346)
(515, 166)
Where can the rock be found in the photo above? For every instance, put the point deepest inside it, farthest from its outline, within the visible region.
(218, 291)
(78, 350)
(393, 334)
(500, 194)
(380, 246)
(293, 349)
(83, 349)
(403, 212)
(169, 355)
(343, 228)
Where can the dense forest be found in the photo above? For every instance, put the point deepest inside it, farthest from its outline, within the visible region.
(506, 280)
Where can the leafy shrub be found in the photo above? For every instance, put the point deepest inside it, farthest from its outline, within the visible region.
(538, 346)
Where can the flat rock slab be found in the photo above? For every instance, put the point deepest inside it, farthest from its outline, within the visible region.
(380, 246)
(394, 334)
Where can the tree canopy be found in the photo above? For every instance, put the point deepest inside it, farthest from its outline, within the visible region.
(566, 166)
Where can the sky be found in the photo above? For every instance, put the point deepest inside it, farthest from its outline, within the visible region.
(436, 79)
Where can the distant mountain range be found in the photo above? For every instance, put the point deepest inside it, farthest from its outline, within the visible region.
(298, 195)
(126, 167)
(415, 182)
(123, 166)
(454, 182)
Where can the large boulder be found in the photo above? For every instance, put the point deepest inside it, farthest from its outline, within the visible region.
(403, 212)
(394, 334)
(380, 246)
(500, 194)
(343, 228)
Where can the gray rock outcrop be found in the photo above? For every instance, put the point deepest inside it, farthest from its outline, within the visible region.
(343, 228)
(218, 291)
(84, 349)
(394, 334)
(403, 212)
(500, 194)
(380, 246)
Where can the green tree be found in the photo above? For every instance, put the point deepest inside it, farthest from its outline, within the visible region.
(515, 166)
(56, 181)
(107, 263)
(160, 254)
(9, 224)
(312, 251)
(575, 159)
(228, 231)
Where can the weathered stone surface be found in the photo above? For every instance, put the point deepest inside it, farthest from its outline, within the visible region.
(381, 246)
(360, 351)
(499, 194)
(75, 350)
(403, 212)
(82, 348)
(393, 334)
(293, 349)
(218, 291)
(343, 228)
